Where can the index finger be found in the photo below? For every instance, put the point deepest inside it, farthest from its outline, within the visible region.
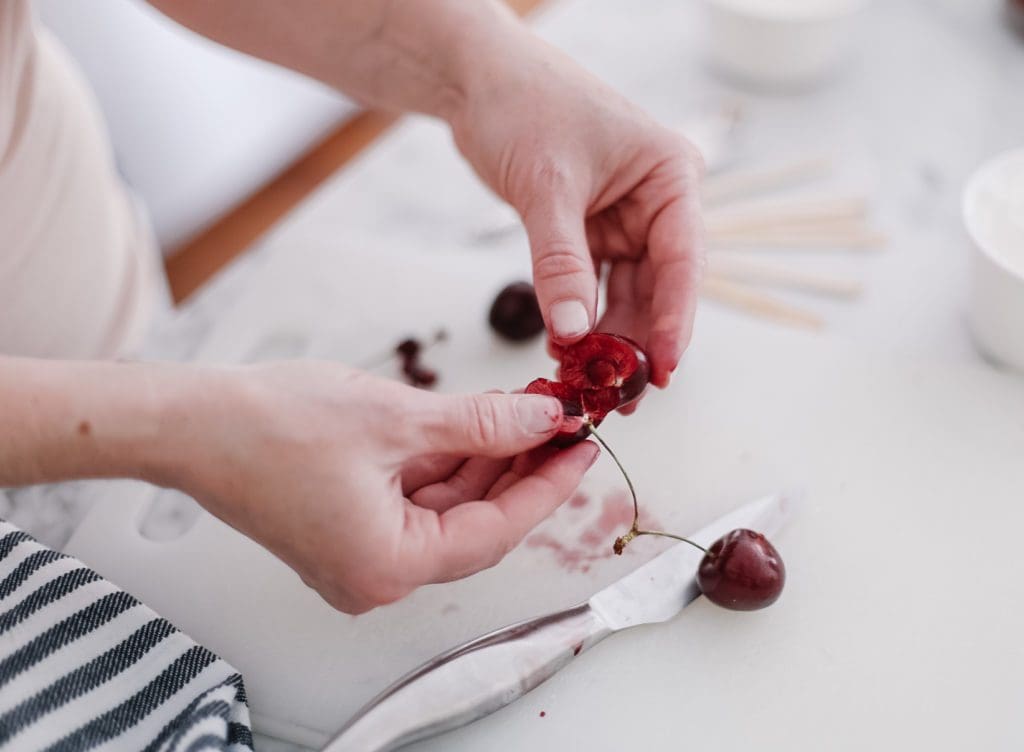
(675, 246)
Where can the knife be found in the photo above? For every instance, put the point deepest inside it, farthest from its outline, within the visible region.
(481, 676)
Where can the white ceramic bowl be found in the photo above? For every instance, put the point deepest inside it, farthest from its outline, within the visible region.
(993, 208)
(781, 43)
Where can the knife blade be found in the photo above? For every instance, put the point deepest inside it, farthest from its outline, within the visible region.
(477, 678)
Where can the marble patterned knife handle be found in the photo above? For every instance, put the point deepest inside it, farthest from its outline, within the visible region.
(471, 681)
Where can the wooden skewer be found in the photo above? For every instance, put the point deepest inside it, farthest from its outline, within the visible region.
(807, 213)
(819, 228)
(752, 301)
(740, 269)
(730, 186)
(812, 239)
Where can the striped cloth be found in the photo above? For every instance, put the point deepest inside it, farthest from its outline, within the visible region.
(85, 666)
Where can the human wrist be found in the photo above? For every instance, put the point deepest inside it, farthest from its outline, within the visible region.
(485, 52)
(188, 411)
(69, 419)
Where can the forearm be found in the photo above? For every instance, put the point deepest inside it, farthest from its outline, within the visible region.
(421, 55)
(63, 420)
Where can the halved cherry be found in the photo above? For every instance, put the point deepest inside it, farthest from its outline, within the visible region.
(603, 361)
(575, 413)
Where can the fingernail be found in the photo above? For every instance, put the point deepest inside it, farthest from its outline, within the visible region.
(569, 318)
(597, 453)
(538, 414)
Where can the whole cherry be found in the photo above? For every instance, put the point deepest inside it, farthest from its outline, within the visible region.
(742, 571)
(515, 313)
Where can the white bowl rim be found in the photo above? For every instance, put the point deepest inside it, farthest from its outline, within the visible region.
(969, 198)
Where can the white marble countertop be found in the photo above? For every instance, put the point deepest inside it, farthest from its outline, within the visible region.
(933, 92)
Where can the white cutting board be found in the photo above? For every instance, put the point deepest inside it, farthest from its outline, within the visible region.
(900, 625)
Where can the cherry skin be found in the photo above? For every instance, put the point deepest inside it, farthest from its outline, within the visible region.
(515, 313)
(742, 571)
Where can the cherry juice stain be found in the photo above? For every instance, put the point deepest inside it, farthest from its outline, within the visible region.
(578, 500)
(594, 541)
(615, 519)
(542, 714)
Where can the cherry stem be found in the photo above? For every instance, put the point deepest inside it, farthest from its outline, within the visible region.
(376, 362)
(674, 537)
(634, 529)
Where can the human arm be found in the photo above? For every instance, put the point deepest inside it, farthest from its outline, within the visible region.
(596, 181)
(359, 484)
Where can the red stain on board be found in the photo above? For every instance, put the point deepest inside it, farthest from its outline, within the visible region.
(594, 541)
(578, 501)
(616, 517)
(542, 714)
(576, 650)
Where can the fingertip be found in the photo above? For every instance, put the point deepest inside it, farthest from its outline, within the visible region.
(665, 350)
(586, 454)
(539, 414)
(570, 320)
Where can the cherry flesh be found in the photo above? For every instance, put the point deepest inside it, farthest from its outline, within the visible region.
(515, 313)
(600, 373)
(742, 571)
(606, 361)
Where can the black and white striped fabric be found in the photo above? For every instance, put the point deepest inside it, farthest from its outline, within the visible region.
(84, 666)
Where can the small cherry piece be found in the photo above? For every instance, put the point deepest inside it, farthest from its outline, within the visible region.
(606, 361)
(574, 427)
(408, 349)
(515, 313)
(420, 376)
(742, 571)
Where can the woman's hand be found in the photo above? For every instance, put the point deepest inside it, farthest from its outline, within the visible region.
(597, 183)
(369, 488)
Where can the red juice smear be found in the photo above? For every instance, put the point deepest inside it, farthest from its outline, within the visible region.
(578, 501)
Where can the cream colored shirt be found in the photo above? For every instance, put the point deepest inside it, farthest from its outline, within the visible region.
(79, 276)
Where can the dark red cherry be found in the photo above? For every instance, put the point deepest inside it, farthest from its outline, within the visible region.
(515, 313)
(742, 571)
(574, 413)
(606, 361)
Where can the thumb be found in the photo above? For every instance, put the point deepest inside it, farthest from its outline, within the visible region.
(488, 425)
(563, 269)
